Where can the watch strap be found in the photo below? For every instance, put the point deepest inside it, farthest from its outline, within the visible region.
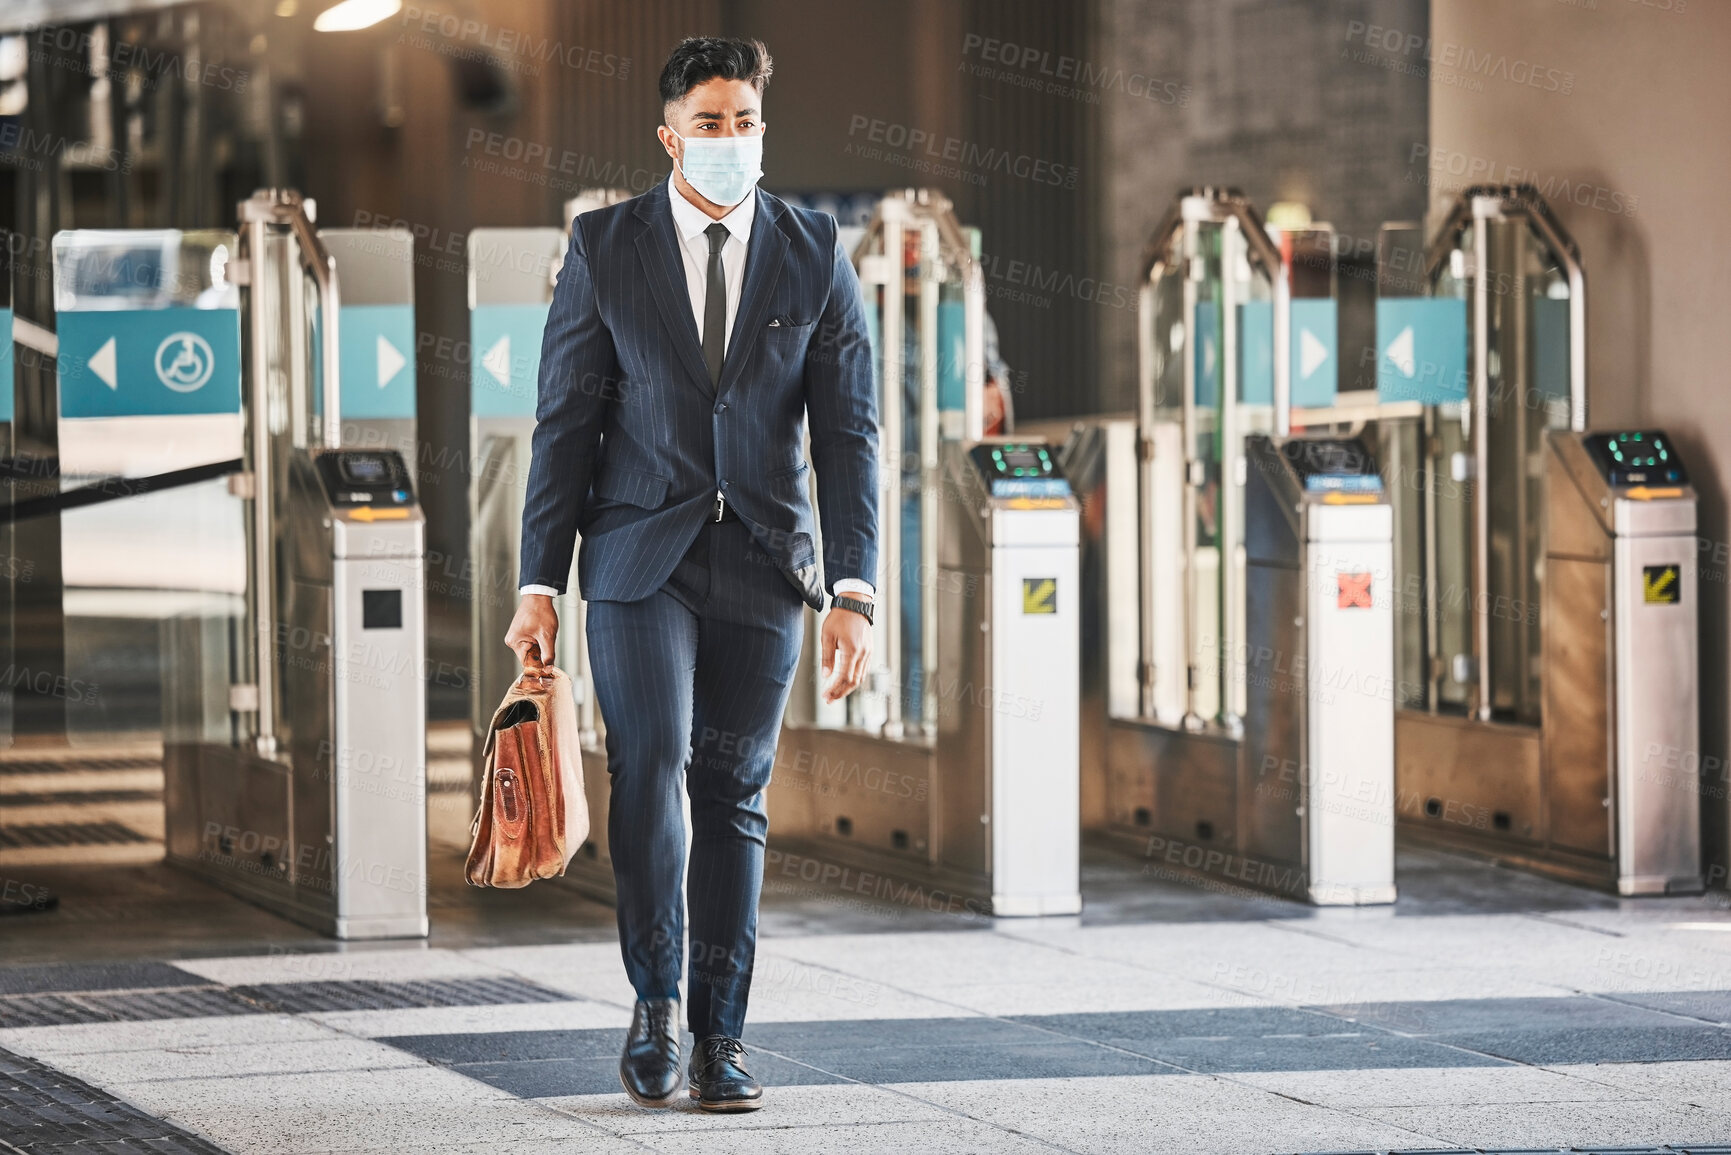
(857, 605)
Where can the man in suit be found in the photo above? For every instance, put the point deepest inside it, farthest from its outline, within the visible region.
(695, 332)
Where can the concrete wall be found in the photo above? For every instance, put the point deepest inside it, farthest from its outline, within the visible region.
(1280, 98)
(1631, 140)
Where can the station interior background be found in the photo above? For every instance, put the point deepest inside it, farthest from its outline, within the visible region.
(465, 113)
(227, 994)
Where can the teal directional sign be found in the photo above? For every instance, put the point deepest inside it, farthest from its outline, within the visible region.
(6, 365)
(377, 361)
(149, 362)
(505, 359)
(953, 355)
(1315, 340)
(1205, 347)
(1315, 370)
(1421, 349)
(1550, 349)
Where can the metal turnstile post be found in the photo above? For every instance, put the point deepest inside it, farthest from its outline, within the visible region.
(294, 749)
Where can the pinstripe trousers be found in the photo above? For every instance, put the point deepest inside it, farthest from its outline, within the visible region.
(692, 682)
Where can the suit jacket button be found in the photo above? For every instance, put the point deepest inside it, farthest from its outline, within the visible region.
(720, 406)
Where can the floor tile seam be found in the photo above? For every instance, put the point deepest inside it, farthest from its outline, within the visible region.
(1553, 1069)
(1138, 964)
(202, 986)
(1242, 996)
(492, 970)
(1225, 1077)
(1166, 1062)
(1625, 1095)
(217, 1077)
(891, 1089)
(1375, 1027)
(1313, 1009)
(459, 1007)
(1449, 1145)
(974, 1012)
(1610, 997)
(1293, 927)
(49, 1055)
(488, 1096)
(518, 974)
(1414, 1036)
(1553, 918)
(739, 1125)
(1423, 1136)
(830, 968)
(949, 1002)
(541, 1108)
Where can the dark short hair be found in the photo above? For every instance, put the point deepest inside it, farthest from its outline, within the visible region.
(701, 58)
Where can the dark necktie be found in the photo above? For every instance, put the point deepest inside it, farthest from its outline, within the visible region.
(715, 304)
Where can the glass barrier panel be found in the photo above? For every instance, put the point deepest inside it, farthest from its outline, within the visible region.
(150, 383)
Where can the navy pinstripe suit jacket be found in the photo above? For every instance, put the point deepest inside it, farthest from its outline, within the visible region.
(632, 442)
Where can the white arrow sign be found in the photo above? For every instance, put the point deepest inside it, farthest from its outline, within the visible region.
(102, 364)
(1400, 352)
(498, 360)
(1311, 353)
(391, 362)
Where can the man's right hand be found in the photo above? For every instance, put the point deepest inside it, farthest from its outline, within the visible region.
(533, 629)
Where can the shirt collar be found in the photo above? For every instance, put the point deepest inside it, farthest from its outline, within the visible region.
(691, 220)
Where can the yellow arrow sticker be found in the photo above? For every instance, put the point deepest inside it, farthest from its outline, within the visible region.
(1642, 493)
(1039, 595)
(1661, 585)
(368, 513)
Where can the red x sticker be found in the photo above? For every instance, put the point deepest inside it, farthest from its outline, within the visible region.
(1354, 591)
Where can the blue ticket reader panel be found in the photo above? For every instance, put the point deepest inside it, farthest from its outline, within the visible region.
(1636, 457)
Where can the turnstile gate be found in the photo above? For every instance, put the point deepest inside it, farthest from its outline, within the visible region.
(1318, 732)
(293, 715)
(1547, 675)
(1237, 686)
(511, 277)
(950, 779)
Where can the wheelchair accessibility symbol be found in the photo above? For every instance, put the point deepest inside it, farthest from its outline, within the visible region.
(184, 362)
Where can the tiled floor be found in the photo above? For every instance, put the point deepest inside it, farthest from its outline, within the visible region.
(1489, 1010)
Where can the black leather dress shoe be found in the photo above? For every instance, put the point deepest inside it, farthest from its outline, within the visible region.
(719, 1080)
(649, 1068)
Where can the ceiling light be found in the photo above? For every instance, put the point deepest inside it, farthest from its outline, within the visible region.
(351, 15)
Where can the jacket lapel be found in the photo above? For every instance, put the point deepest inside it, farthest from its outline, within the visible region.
(658, 247)
(763, 262)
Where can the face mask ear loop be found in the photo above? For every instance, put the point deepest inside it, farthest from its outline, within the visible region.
(677, 163)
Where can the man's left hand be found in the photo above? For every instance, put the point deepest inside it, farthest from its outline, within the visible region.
(846, 647)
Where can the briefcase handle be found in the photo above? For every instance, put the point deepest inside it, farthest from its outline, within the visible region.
(534, 667)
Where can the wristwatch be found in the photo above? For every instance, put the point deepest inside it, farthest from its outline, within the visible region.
(843, 602)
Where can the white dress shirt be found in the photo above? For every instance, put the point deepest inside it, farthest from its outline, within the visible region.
(690, 223)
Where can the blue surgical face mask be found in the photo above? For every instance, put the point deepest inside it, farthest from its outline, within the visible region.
(722, 169)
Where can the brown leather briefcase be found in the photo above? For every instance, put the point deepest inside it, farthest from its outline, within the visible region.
(533, 815)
